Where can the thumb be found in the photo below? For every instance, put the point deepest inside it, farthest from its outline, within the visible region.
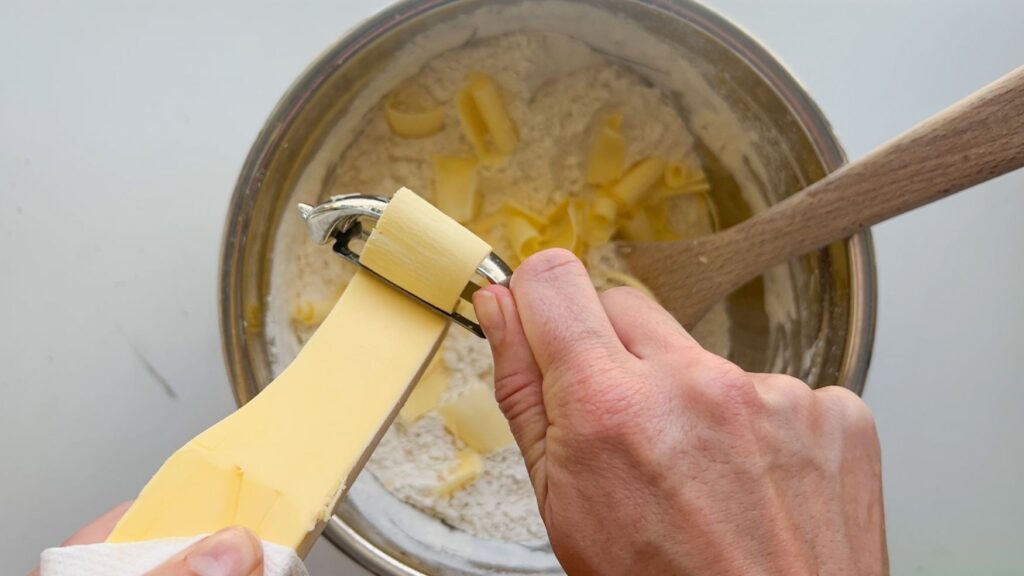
(233, 551)
(517, 378)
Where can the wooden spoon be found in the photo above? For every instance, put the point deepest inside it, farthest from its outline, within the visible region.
(977, 139)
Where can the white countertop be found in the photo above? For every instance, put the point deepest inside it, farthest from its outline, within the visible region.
(122, 129)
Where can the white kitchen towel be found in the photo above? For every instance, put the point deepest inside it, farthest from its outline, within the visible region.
(136, 558)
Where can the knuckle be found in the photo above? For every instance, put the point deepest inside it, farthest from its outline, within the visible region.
(790, 425)
(845, 407)
(511, 390)
(785, 393)
(623, 295)
(583, 353)
(724, 384)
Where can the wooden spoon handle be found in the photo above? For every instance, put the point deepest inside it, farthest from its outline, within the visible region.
(975, 140)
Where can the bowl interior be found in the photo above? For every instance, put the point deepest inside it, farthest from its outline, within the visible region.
(760, 138)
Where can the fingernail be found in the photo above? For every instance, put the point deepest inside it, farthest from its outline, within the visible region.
(230, 552)
(489, 313)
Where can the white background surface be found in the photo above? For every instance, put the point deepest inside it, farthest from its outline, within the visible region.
(122, 129)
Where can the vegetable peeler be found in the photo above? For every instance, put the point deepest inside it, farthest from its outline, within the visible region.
(346, 220)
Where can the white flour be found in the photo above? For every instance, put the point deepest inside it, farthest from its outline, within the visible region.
(554, 88)
(409, 461)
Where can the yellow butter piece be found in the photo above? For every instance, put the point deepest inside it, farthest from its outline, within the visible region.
(513, 208)
(601, 217)
(614, 121)
(639, 228)
(489, 226)
(712, 208)
(556, 212)
(485, 121)
(410, 237)
(523, 236)
(617, 278)
(689, 216)
(488, 101)
(280, 464)
(426, 395)
(472, 123)
(414, 124)
(466, 471)
(474, 418)
(658, 217)
(564, 227)
(604, 208)
(455, 186)
(661, 193)
(410, 113)
(578, 220)
(607, 158)
(486, 222)
(638, 181)
(298, 444)
(261, 505)
(676, 175)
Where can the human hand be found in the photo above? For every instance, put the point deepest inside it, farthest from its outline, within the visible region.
(650, 455)
(229, 552)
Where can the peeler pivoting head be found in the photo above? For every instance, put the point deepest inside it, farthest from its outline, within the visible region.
(344, 220)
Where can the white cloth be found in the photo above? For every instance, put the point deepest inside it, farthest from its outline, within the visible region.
(136, 558)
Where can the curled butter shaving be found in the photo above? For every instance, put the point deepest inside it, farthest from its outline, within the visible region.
(524, 237)
(614, 278)
(638, 181)
(455, 186)
(607, 157)
(485, 120)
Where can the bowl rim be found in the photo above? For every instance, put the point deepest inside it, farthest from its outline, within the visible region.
(861, 254)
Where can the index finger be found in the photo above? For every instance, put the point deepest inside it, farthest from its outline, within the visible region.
(562, 316)
(95, 532)
(98, 530)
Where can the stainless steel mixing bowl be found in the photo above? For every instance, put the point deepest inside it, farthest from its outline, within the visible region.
(827, 341)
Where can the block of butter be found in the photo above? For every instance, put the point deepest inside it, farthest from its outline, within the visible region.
(280, 464)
